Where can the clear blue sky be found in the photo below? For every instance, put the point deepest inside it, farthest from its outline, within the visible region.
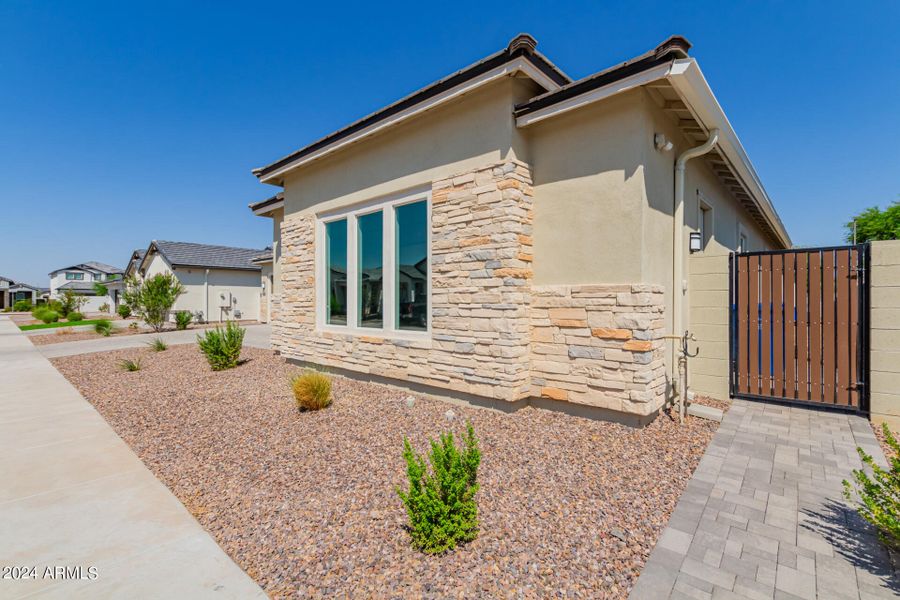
(121, 122)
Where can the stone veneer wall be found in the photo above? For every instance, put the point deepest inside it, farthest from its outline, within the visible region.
(481, 271)
(599, 345)
(493, 334)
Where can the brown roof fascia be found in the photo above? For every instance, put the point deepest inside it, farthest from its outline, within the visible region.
(673, 48)
(523, 45)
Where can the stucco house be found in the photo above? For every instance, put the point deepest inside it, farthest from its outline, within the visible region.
(221, 283)
(13, 291)
(511, 236)
(81, 279)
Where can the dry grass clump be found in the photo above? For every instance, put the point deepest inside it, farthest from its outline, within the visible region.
(312, 390)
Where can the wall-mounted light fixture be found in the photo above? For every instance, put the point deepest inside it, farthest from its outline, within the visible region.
(696, 242)
(661, 143)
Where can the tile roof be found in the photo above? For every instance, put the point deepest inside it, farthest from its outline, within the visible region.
(188, 254)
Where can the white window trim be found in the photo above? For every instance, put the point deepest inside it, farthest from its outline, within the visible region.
(387, 204)
(703, 205)
(742, 232)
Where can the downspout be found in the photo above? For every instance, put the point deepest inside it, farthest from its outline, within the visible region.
(678, 282)
(206, 295)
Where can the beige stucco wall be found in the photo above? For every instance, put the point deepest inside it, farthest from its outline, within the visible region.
(464, 134)
(243, 285)
(885, 334)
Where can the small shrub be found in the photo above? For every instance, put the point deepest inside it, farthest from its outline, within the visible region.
(126, 364)
(48, 316)
(75, 316)
(222, 347)
(879, 494)
(124, 311)
(103, 327)
(157, 345)
(21, 306)
(441, 502)
(104, 307)
(312, 390)
(133, 326)
(183, 319)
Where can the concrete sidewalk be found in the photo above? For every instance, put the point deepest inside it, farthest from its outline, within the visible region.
(73, 495)
(257, 336)
(763, 516)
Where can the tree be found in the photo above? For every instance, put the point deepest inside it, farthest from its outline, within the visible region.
(875, 224)
(153, 298)
(100, 289)
(71, 302)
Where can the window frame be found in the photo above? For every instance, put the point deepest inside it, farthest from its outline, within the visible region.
(707, 230)
(387, 205)
(75, 276)
(742, 234)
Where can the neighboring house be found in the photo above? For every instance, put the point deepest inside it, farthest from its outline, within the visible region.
(513, 236)
(221, 283)
(82, 278)
(13, 291)
(264, 261)
(136, 257)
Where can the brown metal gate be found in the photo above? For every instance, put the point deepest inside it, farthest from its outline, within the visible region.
(799, 326)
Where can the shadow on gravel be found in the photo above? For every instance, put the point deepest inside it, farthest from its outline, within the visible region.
(854, 539)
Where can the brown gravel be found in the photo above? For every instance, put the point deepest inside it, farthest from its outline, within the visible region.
(722, 405)
(305, 502)
(67, 335)
(882, 440)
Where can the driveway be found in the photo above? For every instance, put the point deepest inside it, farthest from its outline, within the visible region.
(763, 515)
(77, 501)
(257, 336)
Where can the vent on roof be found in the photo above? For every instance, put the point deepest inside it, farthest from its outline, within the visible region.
(524, 42)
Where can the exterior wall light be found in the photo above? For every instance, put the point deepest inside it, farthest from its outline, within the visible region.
(696, 243)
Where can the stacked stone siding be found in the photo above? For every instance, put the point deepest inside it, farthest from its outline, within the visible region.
(481, 274)
(493, 334)
(599, 345)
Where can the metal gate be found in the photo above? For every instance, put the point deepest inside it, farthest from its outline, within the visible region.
(799, 326)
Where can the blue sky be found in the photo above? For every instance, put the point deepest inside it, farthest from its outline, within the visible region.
(121, 122)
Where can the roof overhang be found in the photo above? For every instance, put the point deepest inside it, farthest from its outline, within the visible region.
(683, 75)
(520, 57)
(266, 207)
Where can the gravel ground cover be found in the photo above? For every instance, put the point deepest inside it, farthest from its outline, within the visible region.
(305, 502)
(66, 335)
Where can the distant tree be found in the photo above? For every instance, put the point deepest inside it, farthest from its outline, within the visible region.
(71, 302)
(875, 224)
(100, 289)
(153, 298)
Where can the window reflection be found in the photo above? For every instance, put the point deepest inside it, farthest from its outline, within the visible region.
(336, 264)
(371, 269)
(412, 266)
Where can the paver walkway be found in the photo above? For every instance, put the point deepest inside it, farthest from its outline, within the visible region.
(257, 336)
(763, 516)
(74, 495)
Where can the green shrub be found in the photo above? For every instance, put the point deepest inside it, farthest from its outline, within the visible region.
(103, 327)
(38, 309)
(75, 316)
(153, 298)
(124, 311)
(312, 390)
(157, 345)
(879, 494)
(222, 347)
(48, 316)
(71, 302)
(183, 319)
(126, 364)
(104, 307)
(21, 306)
(441, 502)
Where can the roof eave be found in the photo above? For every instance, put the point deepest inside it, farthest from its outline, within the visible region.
(684, 75)
(520, 56)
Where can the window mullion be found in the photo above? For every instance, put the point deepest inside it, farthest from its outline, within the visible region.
(390, 287)
(352, 272)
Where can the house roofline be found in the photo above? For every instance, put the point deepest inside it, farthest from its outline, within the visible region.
(685, 76)
(519, 56)
(265, 207)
